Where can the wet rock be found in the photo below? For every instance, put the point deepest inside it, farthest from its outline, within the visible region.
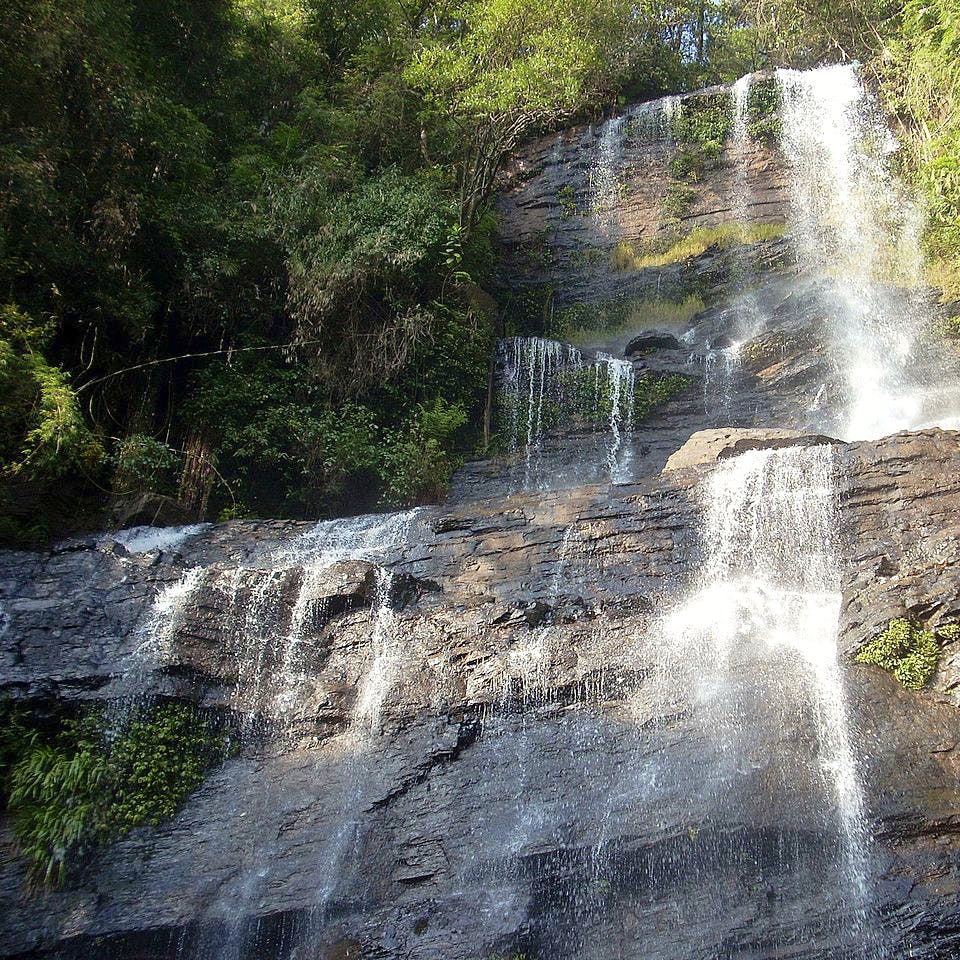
(648, 342)
(524, 762)
(709, 446)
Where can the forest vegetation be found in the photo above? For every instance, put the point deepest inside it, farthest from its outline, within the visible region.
(247, 253)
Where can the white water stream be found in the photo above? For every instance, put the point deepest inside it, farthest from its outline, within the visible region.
(854, 227)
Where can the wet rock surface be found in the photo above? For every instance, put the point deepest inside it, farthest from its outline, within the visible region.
(526, 781)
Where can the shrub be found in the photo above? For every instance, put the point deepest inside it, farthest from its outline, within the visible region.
(763, 111)
(144, 464)
(417, 462)
(907, 650)
(42, 431)
(89, 784)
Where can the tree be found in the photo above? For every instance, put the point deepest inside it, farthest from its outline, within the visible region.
(496, 70)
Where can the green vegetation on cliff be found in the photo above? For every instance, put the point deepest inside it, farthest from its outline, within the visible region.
(908, 650)
(91, 781)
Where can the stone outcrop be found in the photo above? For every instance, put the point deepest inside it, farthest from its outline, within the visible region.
(709, 446)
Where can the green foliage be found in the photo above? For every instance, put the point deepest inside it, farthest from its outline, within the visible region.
(512, 57)
(567, 201)
(922, 83)
(145, 464)
(291, 451)
(626, 256)
(807, 33)
(763, 110)
(907, 650)
(42, 432)
(416, 463)
(678, 199)
(89, 783)
(700, 129)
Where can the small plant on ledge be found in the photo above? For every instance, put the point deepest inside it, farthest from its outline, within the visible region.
(908, 650)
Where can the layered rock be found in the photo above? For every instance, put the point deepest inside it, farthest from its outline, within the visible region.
(526, 783)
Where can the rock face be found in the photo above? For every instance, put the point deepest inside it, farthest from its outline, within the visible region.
(709, 446)
(522, 785)
(571, 197)
(484, 729)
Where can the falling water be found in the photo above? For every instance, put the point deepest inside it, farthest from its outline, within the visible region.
(147, 539)
(854, 227)
(542, 387)
(270, 640)
(652, 122)
(620, 386)
(756, 636)
(605, 175)
(533, 387)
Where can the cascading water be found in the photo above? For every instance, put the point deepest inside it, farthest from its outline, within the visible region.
(755, 640)
(533, 387)
(267, 633)
(605, 183)
(546, 384)
(857, 231)
(620, 388)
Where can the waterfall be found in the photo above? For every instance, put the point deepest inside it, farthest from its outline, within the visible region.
(543, 386)
(856, 229)
(755, 638)
(532, 388)
(267, 635)
(605, 182)
(620, 386)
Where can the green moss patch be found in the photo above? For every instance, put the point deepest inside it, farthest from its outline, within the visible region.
(628, 256)
(908, 650)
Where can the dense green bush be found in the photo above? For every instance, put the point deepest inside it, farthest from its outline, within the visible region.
(700, 129)
(908, 650)
(92, 781)
(145, 464)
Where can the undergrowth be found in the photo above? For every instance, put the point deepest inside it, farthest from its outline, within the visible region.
(90, 781)
(628, 256)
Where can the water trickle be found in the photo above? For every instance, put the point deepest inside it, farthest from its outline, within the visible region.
(620, 387)
(533, 388)
(147, 539)
(652, 122)
(605, 174)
